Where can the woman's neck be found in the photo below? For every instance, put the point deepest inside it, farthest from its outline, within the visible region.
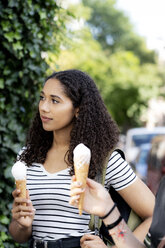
(55, 159)
(61, 140)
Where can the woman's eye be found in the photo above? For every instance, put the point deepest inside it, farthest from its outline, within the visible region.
(54, 101)
(41, 98)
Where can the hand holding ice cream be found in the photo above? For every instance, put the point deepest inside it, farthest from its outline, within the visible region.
(81, 158)
(19, 173)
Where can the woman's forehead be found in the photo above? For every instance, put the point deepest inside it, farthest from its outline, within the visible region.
(53, 86)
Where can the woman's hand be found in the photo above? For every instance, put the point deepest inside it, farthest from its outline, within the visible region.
(23, 215)
(96, 200)
(91, 241)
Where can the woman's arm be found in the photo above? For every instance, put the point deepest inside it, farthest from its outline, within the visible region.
(19, 233)
(142, 201)
(121, 234)
(98, 201)
(20, 227)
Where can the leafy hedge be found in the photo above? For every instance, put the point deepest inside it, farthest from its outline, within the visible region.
(28, 29)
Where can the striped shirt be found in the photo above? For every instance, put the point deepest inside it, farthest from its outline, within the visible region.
(55, 218)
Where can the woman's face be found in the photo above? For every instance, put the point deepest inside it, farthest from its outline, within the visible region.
(56, 109)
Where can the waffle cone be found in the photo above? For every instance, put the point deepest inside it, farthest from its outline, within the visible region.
(21, 184)
(81, 174)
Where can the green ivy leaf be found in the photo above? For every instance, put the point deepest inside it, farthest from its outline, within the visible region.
(1, 84)
(17, 46)
(3, 236)
(4, 219)
(43, 15)
(9, 36)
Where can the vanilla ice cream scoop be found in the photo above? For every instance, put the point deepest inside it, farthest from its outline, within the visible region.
(81, 158)
(81, 155)
(19, 171)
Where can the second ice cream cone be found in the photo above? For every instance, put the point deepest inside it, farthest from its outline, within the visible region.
(81, 173)
(21, 185)
(81, 158)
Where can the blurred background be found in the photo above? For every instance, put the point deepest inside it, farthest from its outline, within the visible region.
(119, 43)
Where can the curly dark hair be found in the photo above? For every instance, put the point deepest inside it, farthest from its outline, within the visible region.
(93, 127)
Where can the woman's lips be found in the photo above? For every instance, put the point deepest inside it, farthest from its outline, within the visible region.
(45, 119)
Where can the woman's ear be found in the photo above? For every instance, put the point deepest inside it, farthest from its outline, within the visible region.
(76, 112)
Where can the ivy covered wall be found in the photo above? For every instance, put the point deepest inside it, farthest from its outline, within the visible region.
(28, 29)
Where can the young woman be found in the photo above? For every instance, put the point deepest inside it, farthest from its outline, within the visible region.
(71, 111)
(98, 201)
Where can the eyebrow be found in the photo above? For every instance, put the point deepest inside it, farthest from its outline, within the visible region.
(51, 95)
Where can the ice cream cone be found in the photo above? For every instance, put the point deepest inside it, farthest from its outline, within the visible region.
(21, 185)
(81, 174)
(82, 156)
(19, 173)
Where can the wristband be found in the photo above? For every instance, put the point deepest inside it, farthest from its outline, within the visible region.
(110, 211)
(114, 223)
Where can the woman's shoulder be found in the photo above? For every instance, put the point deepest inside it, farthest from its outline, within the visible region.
(119, 152)
(119, 173)
(115, 156)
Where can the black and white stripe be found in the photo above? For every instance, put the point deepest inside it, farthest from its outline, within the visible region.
(54, 217)
(119, 174)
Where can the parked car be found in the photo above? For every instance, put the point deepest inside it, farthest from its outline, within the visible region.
(156, 163)
(136, 137)
(141, 161)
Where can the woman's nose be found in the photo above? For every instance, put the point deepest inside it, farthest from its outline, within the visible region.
(45, 106)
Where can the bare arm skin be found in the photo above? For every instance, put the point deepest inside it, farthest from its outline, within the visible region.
(20, 227)
(142, 201)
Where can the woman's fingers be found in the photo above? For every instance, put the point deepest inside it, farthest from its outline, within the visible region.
(16, 192)
(18, 201)
(22, 207)
(86, 237)
(91, 241)
(76, 191)
(91, 183)
(29, 202)
(21, 201)
(27, 194)
(17, 215)
(74, 200)
(75, 184)
(73, 178)
(20, 211)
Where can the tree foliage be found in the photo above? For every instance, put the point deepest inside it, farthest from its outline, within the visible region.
(125, 83)
(28, 29)
(132, 85)
(114, 31)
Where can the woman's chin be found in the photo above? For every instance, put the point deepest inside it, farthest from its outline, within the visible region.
(48, 129)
